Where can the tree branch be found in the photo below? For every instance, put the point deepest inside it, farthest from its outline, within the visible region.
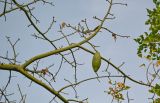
(43, 55)
(21, 70)
(117, 68)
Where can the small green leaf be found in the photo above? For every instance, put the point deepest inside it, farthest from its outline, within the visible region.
(155, 89)
(151, 91)
(155, 1)
(126, 87)
(149, 11)
(142, 65)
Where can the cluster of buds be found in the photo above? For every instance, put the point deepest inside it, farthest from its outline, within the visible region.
(44, 71)
(116, 91)
(120, 85)
(157, 64)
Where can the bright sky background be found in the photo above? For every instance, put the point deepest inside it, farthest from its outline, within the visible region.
(129, 21)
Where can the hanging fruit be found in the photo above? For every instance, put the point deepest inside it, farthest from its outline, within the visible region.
(96, 61)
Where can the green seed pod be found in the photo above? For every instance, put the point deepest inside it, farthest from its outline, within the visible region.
(96, 61)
